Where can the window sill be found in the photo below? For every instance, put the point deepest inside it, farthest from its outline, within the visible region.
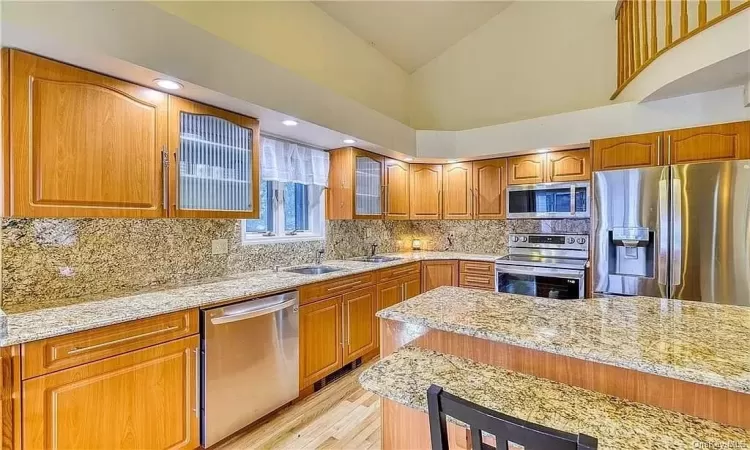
(255, 239)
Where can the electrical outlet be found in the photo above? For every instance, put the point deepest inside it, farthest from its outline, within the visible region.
(368, 233)
(219, 247)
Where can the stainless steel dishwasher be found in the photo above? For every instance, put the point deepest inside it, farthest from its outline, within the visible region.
(249, 362)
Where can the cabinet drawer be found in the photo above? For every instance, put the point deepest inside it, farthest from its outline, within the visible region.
(477, 267)
(397, 272)
(60, 352)
(471, 280)
(325, 289)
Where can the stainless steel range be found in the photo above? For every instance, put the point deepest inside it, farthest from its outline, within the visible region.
(544, 265)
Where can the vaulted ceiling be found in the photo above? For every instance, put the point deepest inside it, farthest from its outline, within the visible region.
(411, 33)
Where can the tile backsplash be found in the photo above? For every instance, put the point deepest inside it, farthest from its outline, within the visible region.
(49, 259)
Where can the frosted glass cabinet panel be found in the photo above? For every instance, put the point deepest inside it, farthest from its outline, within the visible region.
(215, 162)
(368, 186)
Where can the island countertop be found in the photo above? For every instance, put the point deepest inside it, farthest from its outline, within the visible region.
(691, 341)
(405, 375)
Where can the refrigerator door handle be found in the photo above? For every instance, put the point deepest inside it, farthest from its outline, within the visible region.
(676, 278)
(663, 232)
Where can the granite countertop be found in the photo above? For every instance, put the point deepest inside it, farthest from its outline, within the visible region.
(691, 341)
(618, 424)
(54, 318)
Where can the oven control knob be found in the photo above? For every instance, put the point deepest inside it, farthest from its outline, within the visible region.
(581, 240)
(524, 239)
(515, 238)
(571, 240)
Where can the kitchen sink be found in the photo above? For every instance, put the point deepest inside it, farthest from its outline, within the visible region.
(313, 270)
(379, 259)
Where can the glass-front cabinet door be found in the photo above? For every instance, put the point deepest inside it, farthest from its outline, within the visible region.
(368, 185)
(214, 167)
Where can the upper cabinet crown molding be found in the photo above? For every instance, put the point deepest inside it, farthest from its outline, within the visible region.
(82, 144)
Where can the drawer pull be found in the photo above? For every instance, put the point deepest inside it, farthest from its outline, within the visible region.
(344, 286)
(477, 280)
(76, 350)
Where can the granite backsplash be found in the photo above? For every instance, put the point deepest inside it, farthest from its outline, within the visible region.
(50, 259)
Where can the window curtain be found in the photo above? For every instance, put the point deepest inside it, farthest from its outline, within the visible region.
(293, 163)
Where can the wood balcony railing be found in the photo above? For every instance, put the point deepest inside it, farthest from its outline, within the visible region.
(648, 28)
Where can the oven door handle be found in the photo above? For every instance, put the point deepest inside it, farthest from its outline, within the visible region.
(541, 271)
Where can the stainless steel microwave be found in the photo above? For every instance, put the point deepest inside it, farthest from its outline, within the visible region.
(549, 201)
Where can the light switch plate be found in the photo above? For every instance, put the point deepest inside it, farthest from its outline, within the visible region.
(219, 247)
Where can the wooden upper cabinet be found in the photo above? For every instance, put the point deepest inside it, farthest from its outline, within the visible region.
(425, 185)
(396, 181)
(141, 399)
(570, 165)
(359, 309)
(82, 144)
(457, 191)
(711, 143)
(489, 181)
(439, 273)
(527, 169)
(355, 184)
(627, 152)
(215, 162)
(320, 340)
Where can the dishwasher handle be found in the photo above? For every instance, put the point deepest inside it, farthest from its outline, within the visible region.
(262, 311)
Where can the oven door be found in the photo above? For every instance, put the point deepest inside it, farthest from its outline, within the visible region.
(564, 284)
(548, 200)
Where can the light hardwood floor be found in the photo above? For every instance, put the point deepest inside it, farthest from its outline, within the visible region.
(340, 416)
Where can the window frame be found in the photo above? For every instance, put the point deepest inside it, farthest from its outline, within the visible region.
(316, 218)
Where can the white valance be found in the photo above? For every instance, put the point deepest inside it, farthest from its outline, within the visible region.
(292, 163)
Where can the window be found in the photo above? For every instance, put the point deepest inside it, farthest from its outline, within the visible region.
(288, 212)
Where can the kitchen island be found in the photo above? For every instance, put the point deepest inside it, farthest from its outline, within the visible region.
(652, 373)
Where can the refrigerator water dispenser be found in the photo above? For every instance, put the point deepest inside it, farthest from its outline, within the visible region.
(631, 251)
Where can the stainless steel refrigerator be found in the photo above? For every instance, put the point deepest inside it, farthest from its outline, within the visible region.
(680, 231)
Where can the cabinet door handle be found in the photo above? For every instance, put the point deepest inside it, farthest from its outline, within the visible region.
(197, 382)
(165, 179)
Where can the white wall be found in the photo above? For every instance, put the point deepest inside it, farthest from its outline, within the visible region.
(532, 60)
(302, 38)
(578, 127)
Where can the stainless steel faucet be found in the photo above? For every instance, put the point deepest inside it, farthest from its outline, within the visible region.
(373, 249)
(319, 256)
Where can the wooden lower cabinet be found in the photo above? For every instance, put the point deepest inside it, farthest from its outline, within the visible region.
(320, 340)
(359, 323)
(396, 291)
(142, 399)
(439, 273)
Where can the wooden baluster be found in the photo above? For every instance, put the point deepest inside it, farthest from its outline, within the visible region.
(636, 35)
(683, 18)
(668, 27)
(631, 53)
(725, 7)
(644, 26)
(701, 13)
(620, 57)
(654, 43)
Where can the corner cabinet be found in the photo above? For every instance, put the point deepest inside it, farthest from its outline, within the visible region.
(81, 144)
(356, 185)
(216, 162)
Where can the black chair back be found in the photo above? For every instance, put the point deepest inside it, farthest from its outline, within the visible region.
(505, 428)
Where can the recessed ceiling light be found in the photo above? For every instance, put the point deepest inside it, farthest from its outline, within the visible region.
(168, 84)
(349, 141)
(289, 122)
(408, 159)
(451, 161)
